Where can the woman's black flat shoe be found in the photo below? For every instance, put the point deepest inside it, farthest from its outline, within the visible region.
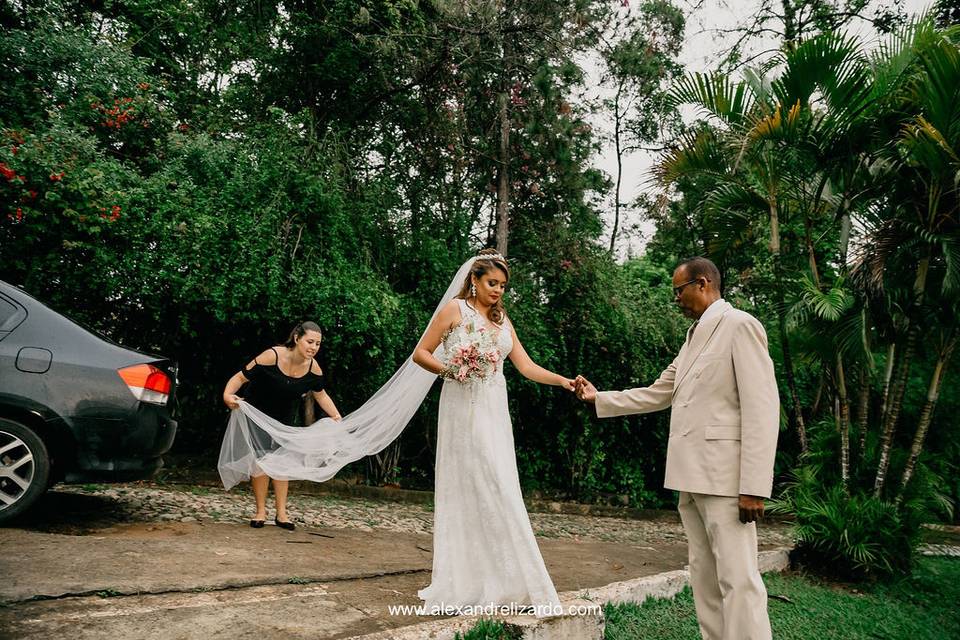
(289, 526)
(256, 524)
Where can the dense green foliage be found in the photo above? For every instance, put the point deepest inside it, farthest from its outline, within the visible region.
(922, 606)
(193, 181)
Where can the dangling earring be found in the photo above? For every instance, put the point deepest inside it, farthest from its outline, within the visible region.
(473, 290)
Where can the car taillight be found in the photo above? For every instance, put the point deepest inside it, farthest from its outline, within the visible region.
(147, 383)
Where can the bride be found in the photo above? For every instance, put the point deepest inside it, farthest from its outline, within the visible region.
(484, 551)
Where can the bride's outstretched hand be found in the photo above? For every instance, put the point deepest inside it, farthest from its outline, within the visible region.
(585, 390)
(569, 385)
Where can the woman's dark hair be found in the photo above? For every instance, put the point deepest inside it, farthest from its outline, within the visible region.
(479, 269)
(299, 331)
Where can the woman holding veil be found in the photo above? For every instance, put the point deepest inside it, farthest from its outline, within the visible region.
(485, 552)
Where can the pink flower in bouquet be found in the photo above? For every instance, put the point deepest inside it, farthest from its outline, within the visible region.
(474, 356)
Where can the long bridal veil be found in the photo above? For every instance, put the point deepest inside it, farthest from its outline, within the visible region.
(255, 443)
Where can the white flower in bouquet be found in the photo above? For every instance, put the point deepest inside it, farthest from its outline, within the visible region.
(473, 356)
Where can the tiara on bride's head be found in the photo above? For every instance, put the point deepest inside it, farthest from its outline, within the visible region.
(490, 256)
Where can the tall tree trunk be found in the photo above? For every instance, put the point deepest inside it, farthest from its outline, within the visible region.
(846, 226)
(897, 390)
(863, 411)
(843, 423)
(923, 424)
(818, 395)
(788, 372)
(619, 152)
(503, 182)
(811, 254)
(896, 398)
(887, 378)
(789, 21)
(796, 409)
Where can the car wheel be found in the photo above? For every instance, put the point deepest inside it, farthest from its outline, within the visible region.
(24, 468)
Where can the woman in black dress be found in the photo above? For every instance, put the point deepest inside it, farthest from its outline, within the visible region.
(278, 379)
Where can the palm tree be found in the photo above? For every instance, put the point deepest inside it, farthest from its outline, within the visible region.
(926, 233)
(834, 144)
(775, 134)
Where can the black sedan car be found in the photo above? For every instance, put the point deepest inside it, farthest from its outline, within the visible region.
(74, 407)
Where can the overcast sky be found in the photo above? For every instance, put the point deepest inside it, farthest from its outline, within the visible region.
(701, 52)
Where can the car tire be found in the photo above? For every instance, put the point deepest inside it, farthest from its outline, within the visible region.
(24, 468)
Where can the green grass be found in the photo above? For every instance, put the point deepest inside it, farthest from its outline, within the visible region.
(923, 606)
(487, 629)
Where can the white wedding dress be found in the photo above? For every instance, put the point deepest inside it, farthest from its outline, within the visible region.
(484, 551)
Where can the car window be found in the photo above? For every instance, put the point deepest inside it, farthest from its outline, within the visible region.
(19, 314)
(6, 311)
(10, 314)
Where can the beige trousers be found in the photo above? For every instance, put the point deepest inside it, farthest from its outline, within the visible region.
(729, 595)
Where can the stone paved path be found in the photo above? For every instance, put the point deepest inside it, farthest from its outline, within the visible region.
(144, 502)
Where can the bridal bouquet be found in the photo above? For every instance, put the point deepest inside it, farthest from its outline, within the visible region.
(472, 355)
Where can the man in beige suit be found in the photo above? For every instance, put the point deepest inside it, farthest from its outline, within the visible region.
(723, 438)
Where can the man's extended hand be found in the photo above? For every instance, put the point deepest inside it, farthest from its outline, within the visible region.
(751, 508)
(585, 391)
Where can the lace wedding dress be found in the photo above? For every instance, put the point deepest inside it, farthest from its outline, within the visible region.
(484, 551)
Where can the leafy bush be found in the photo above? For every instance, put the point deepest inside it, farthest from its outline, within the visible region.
(852, 534)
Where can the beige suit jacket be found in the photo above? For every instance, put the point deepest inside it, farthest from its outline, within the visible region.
(726, 408)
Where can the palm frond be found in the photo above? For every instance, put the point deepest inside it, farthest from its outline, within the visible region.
(951, 254)
(830, 67)
(938, 90)
(760, 83)
(730, 210)
(776, 126)
(697, 152)
(716, 94)
(928, 148)
(830, 304)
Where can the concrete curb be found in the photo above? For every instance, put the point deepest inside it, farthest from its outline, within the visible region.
(946, 550)
(669, 584)
(530, 628)
(574, 627)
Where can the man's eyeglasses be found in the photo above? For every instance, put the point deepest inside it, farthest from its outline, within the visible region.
(678, 290)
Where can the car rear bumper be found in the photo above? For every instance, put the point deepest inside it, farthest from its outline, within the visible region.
(120, 450)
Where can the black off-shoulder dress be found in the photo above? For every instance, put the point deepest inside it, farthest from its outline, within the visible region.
(277, 394)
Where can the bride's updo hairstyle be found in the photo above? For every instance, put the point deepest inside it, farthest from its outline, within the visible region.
(479, 269)
(299, 331)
